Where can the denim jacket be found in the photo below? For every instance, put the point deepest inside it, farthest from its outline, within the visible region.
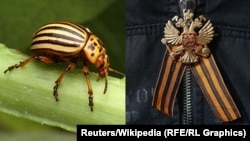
(145, 21)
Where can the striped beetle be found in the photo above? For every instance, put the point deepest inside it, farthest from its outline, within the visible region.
(69, 42)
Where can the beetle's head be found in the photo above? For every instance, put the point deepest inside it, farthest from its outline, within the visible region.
(102, 64)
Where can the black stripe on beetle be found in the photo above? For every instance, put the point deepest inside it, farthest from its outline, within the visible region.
(45, 51)
(60, 36)
(62, 28)
(55, 42)
(77, 26)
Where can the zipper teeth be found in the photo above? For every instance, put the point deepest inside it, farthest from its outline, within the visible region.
(187, 106)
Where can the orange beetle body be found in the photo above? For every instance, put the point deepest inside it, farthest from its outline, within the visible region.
(69, 42)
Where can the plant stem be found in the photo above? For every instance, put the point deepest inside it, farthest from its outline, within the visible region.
(28, 92)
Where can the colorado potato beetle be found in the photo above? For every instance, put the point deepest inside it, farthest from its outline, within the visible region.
(69, 42)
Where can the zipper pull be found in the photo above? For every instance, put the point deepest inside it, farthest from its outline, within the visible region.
(187, 5)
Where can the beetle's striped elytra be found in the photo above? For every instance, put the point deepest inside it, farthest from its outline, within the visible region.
(69, 42)
(61, 38)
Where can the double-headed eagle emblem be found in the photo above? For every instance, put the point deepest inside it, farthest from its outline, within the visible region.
(192, 42)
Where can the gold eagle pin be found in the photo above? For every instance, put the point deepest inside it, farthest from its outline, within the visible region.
(190, 44)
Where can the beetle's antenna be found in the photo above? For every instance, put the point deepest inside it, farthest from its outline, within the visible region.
(106, 84)
(115, 71)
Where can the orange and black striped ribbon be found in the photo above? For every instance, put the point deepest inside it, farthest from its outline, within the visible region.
(209, 79)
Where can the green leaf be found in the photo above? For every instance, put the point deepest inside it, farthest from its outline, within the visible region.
(39, 136)
(28, 92)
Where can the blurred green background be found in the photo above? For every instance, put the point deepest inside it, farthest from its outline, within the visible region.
(21, 18)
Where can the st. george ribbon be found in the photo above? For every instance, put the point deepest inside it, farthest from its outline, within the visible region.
(187, 48)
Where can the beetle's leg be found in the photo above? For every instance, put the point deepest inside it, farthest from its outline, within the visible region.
(90, 92)
(58, 81)
(44, 59)
(21, 64)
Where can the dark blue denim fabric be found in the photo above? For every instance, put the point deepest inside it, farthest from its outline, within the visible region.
(145, 20)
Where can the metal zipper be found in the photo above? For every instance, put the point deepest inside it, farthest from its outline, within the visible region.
(187, 98)
(187, 117)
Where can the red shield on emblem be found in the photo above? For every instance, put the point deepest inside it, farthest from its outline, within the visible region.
(189, 39)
